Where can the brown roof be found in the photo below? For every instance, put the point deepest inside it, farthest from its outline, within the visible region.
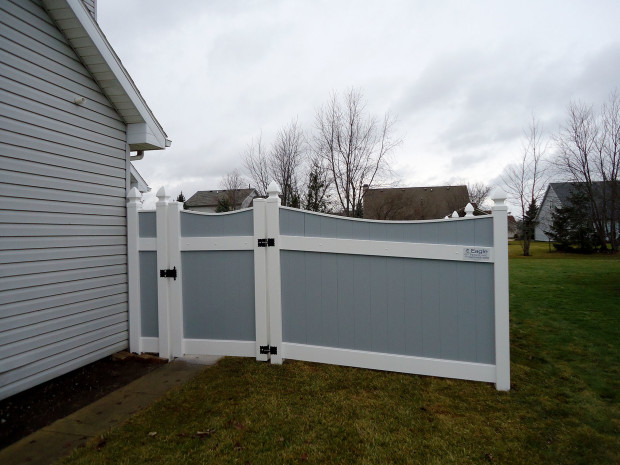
(415, 203)
(212, 198)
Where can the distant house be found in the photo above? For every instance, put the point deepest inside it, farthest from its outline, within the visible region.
(415, 203)
(558, 195)
(513, 227)
(71, 116)
(208, 201)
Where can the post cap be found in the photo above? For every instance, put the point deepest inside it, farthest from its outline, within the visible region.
(273, 190)
(134, 195)
(499, 197)
(469, 210)
(161, 194)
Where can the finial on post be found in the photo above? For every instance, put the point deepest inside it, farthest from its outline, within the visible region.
(499, 197)
(454, 214)
(273, 190)
(469, 210)
(134, 196)
(162, 196)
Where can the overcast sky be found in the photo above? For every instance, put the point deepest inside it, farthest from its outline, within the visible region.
(462, 77)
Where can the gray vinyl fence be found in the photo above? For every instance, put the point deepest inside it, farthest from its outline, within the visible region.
(271, 282)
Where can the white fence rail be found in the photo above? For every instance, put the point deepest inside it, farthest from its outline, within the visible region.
(439, 303)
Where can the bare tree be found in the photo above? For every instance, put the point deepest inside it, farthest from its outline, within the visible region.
(232, 183)
(478, 193)
(354, 145)
(526, 180)
(589, 152)
(285, 161)
(256, 162)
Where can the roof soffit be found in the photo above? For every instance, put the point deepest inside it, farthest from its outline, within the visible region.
(97, 55)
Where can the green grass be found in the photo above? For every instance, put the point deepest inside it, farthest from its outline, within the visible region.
(563, 407)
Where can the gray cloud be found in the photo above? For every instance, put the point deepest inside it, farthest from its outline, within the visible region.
(463, 78)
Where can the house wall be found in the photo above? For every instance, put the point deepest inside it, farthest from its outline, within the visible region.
(550, 201)
(63, 262)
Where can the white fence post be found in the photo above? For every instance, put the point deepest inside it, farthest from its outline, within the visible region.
(163, 287)
(175, 287)
(274, 294)
(502, 322)
(260, 279)
(133, 271)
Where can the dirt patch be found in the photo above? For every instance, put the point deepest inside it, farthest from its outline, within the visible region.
(41, 405)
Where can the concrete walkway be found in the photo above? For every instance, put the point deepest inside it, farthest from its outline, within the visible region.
(61, 437)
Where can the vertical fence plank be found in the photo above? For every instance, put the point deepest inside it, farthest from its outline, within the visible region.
(274, 278)
(174, 285)
(502, 327)
(163, 291)
(260, 279)
(133, 270)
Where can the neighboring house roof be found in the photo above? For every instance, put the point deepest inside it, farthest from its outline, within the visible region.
(212, 198)
(78, 25)
(563, 191)
(414, 203)
(137, 180)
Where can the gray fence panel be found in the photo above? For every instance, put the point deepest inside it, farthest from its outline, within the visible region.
(485, 327)
(147, 224)
(218, 295)
(148, 294)
(346, 304)
(227, 224)
(401, 306)
(475, 231)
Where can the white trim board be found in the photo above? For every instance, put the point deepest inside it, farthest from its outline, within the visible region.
(217, 243)
(383, 248)
(149, 344)
(390, 362)
(219, 347)
(147, 244)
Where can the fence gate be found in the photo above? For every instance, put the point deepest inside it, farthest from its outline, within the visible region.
(274, 283)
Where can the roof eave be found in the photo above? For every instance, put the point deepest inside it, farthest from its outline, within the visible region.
(85, 36)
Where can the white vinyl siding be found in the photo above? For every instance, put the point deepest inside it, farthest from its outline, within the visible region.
(63, 262)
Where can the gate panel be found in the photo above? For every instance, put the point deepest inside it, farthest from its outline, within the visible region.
(148, 293)
(217, 263)
(218, 295)
(415, 297)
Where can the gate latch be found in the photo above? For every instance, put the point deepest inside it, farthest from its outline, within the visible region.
(269, 350)
(270, 242)
(169, 273)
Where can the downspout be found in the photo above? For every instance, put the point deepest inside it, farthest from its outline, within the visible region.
(138, 156)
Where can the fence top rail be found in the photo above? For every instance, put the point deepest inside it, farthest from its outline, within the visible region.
(368, 220)
(193, 212)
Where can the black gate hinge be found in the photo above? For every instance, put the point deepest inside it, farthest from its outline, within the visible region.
(271, 242)
(169, 273)
(269, 350)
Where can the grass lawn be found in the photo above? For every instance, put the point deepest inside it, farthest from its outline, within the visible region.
(563, 407)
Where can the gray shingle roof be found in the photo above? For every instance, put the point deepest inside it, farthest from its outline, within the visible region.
(563, 189)
(211, 198)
